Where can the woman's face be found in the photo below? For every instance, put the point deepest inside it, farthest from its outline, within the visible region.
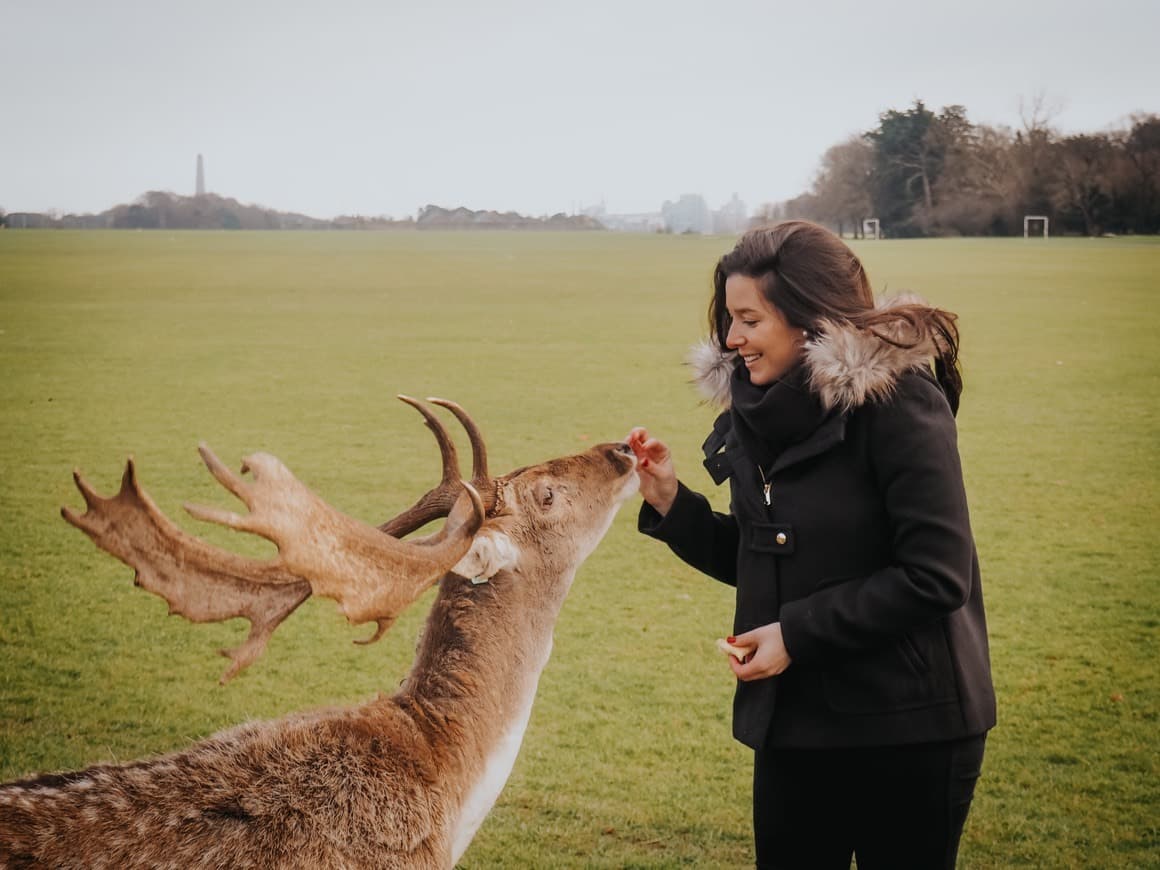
(769, 346)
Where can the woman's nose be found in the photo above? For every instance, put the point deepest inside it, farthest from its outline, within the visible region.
(732, 339)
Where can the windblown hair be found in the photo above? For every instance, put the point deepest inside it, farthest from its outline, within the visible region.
(813, 278)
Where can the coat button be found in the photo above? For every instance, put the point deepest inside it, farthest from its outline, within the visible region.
(781, 538)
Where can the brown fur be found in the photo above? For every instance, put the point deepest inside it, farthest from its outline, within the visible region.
(379, 785)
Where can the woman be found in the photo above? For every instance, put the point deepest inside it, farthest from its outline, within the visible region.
(864, 682)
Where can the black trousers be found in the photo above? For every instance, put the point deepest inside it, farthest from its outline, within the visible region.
(893, 807)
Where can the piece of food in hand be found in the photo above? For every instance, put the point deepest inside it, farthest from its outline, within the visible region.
(738, 652)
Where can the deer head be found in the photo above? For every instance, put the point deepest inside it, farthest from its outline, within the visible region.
(550, 517)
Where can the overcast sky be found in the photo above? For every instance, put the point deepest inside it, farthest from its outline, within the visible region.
(380, 107)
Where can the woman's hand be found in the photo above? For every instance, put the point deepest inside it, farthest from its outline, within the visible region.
(654, 463)
(769, 656)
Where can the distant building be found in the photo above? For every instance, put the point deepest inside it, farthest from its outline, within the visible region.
(639, 222)
(731, 219)
(28, 220)
(689, 214)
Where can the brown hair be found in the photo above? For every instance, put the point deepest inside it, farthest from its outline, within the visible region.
(810, 275)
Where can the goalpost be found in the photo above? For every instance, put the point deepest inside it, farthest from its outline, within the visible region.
(1028, 219)
(871, 225)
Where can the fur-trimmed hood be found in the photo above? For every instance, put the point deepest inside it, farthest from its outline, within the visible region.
(846, 367)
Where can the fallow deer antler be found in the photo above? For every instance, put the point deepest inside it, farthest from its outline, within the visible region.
(199, 582)
(437, 502)
(373, 576)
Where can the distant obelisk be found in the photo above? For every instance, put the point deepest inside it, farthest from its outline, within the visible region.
(200, 176)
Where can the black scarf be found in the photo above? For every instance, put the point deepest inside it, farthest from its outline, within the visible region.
(769, 419)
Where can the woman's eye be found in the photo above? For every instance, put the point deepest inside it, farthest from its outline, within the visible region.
(750, 323)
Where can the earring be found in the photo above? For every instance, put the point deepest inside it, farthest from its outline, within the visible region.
(805, 333)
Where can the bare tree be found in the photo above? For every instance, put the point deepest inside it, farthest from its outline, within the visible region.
(975, 193)
(841, 187)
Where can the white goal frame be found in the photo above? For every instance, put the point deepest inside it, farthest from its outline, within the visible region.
(869, 224)
(1028, 218)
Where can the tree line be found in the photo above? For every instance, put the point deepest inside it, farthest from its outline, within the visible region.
(162, 210)
(922, 173)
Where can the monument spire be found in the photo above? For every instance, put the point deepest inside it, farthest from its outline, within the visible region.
(200, 176)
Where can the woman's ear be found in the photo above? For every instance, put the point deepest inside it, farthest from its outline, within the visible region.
(490, 553)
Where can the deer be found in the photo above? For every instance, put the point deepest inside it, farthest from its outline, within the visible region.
(404, 780)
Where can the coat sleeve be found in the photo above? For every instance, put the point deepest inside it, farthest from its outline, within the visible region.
(701, 537)
(913, 452)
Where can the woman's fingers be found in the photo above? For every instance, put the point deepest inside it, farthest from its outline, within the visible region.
(636, 440)
(658, 477)
(768, 657)
(647, 448)
(655, 451)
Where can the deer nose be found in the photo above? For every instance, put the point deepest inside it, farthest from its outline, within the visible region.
(616, 453)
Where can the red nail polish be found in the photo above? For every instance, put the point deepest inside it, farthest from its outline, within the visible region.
(730, 640)
(644, 463)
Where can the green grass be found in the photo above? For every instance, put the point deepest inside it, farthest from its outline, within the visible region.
(145, 343)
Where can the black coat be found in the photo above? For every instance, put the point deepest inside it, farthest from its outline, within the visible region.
(866, 558)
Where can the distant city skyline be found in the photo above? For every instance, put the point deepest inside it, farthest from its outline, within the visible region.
(361, 107)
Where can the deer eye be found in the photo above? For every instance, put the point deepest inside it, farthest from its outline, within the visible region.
(547, 496)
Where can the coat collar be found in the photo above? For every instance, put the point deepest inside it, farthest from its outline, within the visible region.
(846, 367)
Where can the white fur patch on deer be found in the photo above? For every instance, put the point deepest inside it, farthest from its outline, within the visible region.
(496, 771)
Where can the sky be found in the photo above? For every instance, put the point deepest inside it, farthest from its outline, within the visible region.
(380, 107)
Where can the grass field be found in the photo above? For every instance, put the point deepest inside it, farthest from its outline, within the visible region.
(145, 343)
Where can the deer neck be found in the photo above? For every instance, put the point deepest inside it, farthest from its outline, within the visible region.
(483, 648)
(474, 680)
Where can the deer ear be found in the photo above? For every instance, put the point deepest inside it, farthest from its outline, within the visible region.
(490, 553)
